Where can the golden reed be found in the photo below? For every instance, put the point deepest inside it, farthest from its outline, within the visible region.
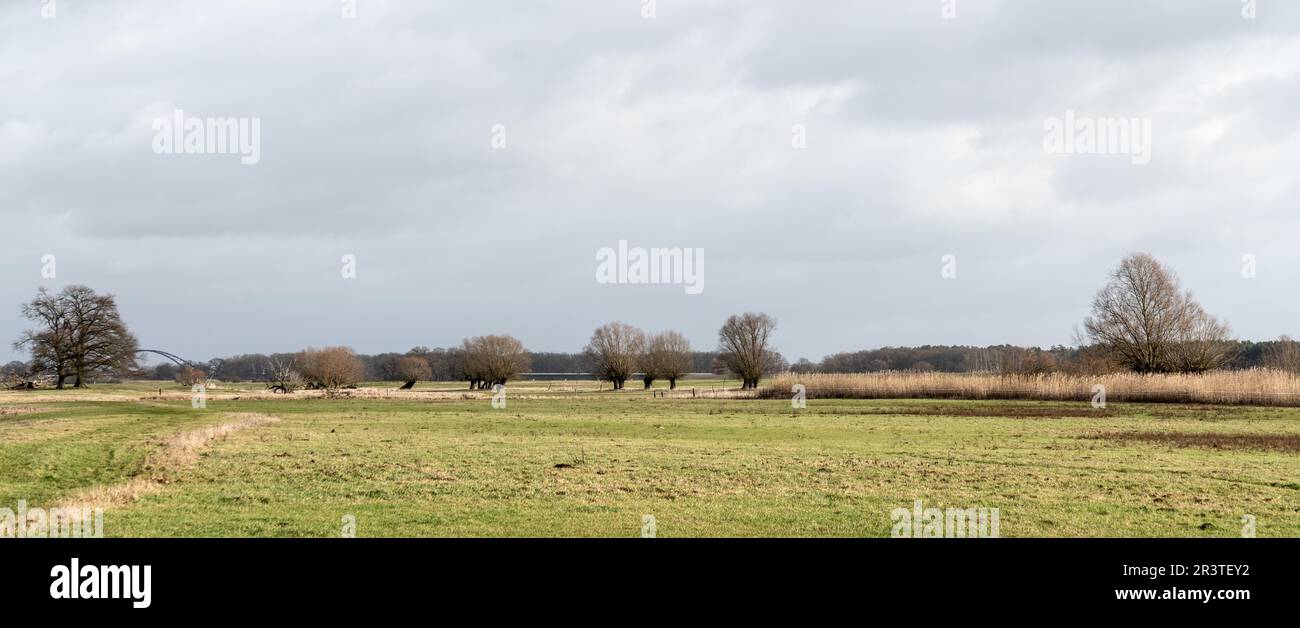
(1248, 387)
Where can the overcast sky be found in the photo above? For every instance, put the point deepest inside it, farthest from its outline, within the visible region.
(923, 137)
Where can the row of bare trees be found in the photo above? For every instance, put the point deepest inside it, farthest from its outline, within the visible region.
(483, 361)
(618, 351)
(329, 369)
(1141, 320)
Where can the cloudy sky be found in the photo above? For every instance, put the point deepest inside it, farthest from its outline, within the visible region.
(922, 137)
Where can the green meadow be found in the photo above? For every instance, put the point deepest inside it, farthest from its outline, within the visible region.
(569, 460)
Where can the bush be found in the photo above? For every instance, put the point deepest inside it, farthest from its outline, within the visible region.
(331, 368)
(190, 376)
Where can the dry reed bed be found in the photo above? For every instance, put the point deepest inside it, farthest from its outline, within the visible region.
(1263, 387)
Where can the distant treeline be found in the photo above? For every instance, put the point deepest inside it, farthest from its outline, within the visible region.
(256, 367)
(938, 358)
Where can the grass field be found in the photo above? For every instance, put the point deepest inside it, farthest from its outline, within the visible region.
(563, 459)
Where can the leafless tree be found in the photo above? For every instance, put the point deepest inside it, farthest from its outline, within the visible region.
(83, 335)
(1143, 321)
(1284, 355)
(102, 344)
(667, 356)
(331, 368)
(284, 375)
(614, 351)
(51, 345)
(743, 346)
(411, 370)
(1202, 342)
(489, 360)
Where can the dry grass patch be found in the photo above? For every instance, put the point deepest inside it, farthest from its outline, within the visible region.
(18, 410)
(177, 451)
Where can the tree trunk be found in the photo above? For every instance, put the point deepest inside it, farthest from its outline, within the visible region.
(672, 383)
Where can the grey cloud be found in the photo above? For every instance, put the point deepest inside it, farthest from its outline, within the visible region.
(924, 138)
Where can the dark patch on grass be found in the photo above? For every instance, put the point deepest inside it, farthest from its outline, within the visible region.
(1199, 412)
(1007, 411)
(1289, 443)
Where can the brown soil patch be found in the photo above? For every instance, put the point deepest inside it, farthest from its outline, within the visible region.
(1289, 443)
(1008, 411)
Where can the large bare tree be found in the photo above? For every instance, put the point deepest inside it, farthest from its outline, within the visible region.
(614, 351)
(667, 356)
(82, 335)
(489, 360)
(1142, 320)
(743, 346)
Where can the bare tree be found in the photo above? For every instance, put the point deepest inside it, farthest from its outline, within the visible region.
(667, 356)
(82, 335)
(1202, 343)
(489, 360)
(1283, 354)
(411, 370)
(614, 351)
(1142, 320)
(284, 375)
(331, 368)
(743, 346)
(101, 343)
(51, 345)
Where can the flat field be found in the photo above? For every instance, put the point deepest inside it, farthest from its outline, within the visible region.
(564, 459)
